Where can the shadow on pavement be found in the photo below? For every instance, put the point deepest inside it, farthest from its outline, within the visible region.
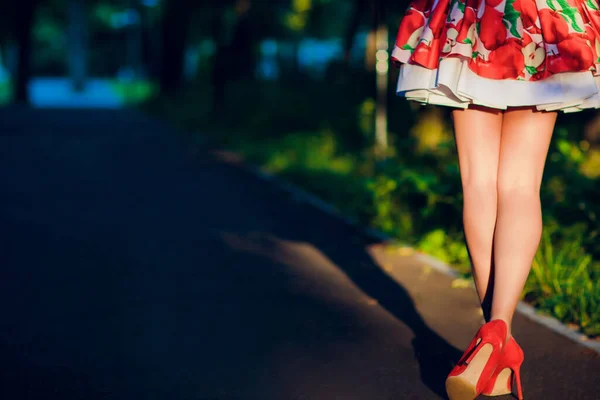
(347, 251)
(435, 355)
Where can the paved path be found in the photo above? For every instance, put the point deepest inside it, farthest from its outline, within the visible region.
(135, 268)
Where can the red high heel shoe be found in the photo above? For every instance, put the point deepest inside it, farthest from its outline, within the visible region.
(507, 371)
(473, 371)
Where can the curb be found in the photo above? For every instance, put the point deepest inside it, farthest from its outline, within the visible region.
(302, 196)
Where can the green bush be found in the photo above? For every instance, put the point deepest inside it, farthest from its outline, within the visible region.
(564, 278)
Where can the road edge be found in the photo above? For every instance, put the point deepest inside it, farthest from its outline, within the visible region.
(301, 195)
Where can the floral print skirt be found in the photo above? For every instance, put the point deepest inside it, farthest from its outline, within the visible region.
(501, 53)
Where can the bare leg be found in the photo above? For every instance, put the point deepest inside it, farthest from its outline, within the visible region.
(478, 132)
(526, 135)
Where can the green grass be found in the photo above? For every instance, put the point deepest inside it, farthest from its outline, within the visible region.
(564, 279)
(135, 92)
(319, 137)
(5, 92)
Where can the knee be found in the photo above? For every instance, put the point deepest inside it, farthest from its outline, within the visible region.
(517, 189)
(480, 189)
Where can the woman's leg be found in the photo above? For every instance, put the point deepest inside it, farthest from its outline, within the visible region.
(526, 135)
(477, 131)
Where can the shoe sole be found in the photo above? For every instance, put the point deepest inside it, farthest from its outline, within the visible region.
(460, 389)
(464, 386)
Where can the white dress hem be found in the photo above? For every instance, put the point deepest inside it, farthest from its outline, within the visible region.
(454, 84)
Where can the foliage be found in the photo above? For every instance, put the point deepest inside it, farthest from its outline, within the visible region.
(135, 92)
(564, 278)
(317, 18)
(5, 92)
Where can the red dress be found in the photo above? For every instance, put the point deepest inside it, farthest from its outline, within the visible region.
(501, 53)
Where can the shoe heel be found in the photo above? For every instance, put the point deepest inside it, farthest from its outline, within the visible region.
(517, 375)
(508, 372)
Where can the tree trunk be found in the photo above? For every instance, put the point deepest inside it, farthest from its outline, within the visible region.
(77, 44)
(381, 69)
(175, 34)
(360, 8)
(23, 27)
(134, 42)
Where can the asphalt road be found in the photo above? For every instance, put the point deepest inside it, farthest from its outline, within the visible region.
(135, 267)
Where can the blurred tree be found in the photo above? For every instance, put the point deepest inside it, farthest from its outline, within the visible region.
(235, 53)
(77, 43)
(329, 19)
(134, 39)
(360, 8)
(175, 31)
(7, 19)
(23, 24)
(151, 39)
(7, 46)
